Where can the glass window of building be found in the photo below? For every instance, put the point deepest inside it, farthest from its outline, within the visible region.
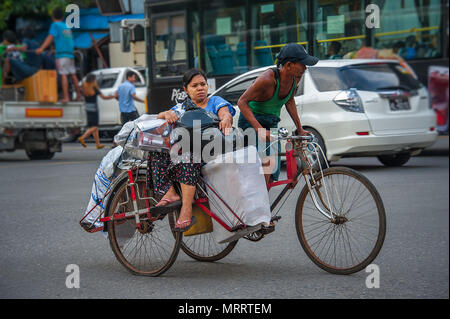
(170, 51)
(339, 28)
(417, 35)
(224, 40)
(275, 24)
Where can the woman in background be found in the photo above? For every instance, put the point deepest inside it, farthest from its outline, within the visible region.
(90, 92)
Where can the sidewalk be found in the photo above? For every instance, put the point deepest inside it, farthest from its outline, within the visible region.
(439, 148)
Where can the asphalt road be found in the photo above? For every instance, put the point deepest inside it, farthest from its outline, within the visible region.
(42, 202)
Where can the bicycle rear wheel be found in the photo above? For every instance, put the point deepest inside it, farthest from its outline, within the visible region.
(153, 248)
(354, 239)
(204, 247)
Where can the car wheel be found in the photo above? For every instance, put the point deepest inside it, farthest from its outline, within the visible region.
(40, 155)
(398, 159)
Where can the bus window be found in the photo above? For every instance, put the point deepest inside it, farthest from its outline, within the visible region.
(169, 51)
(275, 24)
(224, 40)
(340, 28)
(417, 35)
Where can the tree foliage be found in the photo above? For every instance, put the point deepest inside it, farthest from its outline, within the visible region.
(24, 8)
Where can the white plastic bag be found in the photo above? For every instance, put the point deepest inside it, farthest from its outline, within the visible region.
(239, 180)
(104, 175)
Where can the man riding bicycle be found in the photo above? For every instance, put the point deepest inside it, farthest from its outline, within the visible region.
(261, 103)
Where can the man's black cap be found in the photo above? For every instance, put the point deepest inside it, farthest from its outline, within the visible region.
(293, 52)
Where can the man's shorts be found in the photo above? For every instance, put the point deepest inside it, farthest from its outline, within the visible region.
(65, 66)
(127, 117)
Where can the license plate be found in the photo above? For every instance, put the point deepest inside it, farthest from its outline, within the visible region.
(399, 104)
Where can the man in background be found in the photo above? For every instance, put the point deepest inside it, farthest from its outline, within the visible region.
(61, 35)
(126, 93)
(10, 56)
(23, 69)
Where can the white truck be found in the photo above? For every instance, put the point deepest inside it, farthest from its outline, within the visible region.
(108, 81)
(38, 127)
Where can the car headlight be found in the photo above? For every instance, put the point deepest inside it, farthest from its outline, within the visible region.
(349, 100)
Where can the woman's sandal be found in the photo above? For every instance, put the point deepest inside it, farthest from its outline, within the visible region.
(82, 141)
(193, 221)
(166, 209)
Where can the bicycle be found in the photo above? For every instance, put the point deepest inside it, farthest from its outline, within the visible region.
(340, 217)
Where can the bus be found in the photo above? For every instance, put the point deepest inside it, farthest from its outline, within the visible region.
(226, 38)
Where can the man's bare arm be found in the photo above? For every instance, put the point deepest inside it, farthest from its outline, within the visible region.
(137, 99)
(261, 90)
(44, 45)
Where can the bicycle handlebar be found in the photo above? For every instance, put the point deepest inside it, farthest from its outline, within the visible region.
(308, 138)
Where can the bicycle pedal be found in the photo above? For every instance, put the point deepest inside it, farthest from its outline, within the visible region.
(238, 227)
(267, 230)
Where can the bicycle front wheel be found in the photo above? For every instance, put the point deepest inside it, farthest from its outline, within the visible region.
(149, 250)
(352, 240)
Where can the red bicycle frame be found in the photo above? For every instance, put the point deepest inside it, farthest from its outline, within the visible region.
(290, 182)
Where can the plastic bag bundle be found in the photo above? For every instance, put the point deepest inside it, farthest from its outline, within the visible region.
(147, 133)
(155, 137)
(104, 175)
(239, 180)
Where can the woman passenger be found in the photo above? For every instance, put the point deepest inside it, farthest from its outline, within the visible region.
(165, 172)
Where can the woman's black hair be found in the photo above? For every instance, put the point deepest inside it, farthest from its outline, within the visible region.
(189, 74)
(90, 78)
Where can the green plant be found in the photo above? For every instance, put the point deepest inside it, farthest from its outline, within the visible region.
(9, 8)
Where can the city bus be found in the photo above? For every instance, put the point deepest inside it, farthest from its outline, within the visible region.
(226, 38)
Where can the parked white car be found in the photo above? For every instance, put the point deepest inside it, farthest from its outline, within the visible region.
(357, 108)
(108, 81)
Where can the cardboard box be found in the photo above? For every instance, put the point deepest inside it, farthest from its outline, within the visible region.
(41, 87)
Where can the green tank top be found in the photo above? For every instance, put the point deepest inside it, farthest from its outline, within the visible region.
(274, 105)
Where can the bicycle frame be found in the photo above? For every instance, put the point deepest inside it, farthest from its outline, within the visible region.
(292, 172)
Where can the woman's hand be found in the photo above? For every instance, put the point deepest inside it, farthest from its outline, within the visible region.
(226, 125)
(170, 116)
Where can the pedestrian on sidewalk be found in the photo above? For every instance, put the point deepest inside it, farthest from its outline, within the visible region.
(61, 35)
(126, 93)
(91, 91)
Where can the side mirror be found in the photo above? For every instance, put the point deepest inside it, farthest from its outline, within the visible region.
(125, 39)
